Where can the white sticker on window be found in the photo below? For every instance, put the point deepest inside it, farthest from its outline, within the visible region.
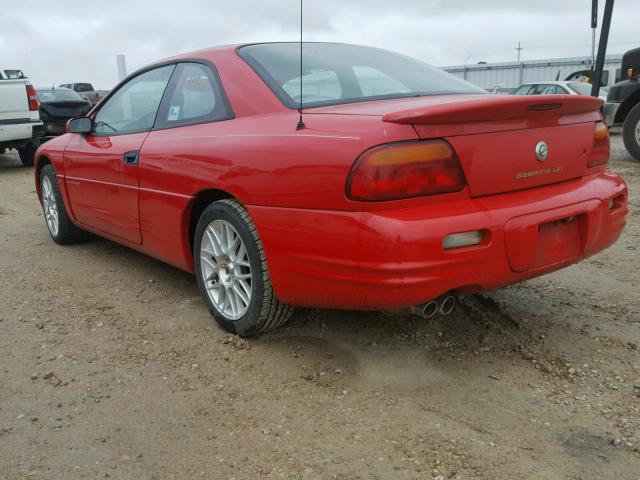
(174, 113)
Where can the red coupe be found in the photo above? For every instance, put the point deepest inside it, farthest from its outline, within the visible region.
(371, 181)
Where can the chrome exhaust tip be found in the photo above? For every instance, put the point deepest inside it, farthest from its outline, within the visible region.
(425, 310)
(430, 309)
(448, 305)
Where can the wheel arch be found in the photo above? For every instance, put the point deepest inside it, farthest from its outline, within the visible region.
(627, 105)
(41, 162)
(202, 200)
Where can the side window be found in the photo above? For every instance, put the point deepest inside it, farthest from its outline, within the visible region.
(374, 83)
(195, 96)
(523, 90)
(134, 106)
(318, 85)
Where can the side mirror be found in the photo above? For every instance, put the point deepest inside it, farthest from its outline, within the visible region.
(80, 125)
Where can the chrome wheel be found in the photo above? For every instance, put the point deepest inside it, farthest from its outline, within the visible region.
(225, 269)
(638, 132)
(49, 206)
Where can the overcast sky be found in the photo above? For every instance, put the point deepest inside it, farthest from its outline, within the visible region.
(77, 40)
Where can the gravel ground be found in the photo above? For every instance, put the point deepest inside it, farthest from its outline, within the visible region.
(110, 367)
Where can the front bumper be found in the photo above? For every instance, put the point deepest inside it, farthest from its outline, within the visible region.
(394, 258)
(610, 111)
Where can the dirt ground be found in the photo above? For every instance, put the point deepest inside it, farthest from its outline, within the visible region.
(111, 367)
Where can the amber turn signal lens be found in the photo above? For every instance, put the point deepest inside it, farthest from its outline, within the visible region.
(405, 170)
(601, 148)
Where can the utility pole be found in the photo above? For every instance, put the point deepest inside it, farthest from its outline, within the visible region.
(519, 49)
(594, 25)
(122, 67)
(602, 48)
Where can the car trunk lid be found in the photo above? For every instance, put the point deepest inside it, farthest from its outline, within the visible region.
(508, 143)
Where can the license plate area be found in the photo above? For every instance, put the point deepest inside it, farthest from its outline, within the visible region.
(560, 241)
(542, 240)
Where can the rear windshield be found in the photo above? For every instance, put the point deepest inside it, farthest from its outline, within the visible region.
(58, 95)
(337, 73)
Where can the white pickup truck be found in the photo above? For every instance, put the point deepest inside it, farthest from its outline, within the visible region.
(20, 125)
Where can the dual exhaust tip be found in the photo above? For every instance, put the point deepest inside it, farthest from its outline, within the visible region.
(443, 306)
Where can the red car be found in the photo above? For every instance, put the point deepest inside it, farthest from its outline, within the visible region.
(401, 187)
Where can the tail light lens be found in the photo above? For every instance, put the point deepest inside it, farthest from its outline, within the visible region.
(405, 170)
(33, 98)
(601, 149)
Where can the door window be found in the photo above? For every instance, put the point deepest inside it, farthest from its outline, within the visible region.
(195, 96)
(133, 107)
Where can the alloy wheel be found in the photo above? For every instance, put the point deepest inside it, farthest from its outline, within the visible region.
(225, 269)
(49, 206)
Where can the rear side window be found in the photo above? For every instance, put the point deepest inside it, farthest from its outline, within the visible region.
(523, 90)
(194, 96)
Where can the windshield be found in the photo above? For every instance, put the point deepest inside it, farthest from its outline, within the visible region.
(581, 88)
(58, 96)
(339, 73)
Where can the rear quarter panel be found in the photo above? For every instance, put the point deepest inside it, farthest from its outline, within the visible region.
(260, 160)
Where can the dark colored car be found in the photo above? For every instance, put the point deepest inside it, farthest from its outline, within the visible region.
(57, 106)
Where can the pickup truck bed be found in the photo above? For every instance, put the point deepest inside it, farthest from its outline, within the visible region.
(20, 125)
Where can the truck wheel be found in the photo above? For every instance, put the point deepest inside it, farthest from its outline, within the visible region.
(60, 226)
(27, 155)
(631, 132)
(232, 271)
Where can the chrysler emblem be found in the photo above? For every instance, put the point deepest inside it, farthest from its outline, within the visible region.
(542, 151)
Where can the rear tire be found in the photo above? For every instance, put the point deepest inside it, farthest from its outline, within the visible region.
(27, 155)
(631, 132)
(232, 272)
(60, 226)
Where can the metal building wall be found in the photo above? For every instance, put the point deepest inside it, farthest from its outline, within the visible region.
(513, 74)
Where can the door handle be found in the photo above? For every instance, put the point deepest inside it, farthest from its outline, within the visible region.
(130, 158)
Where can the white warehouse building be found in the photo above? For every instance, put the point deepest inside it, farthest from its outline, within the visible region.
(513, 74)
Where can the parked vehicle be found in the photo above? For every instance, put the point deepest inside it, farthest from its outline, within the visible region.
(59, 105)
(623, 102)
(20, 125)
(86, 90)
(556, 88)
(397, 186)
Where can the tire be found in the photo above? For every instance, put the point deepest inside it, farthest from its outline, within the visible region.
(234, 282)
(60, 226)
(631, 132)
(27, 155)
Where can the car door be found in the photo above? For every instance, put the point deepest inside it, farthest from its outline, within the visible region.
(101, 168)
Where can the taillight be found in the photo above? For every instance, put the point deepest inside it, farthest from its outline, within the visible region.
(405, 170)
(601, 149)
(33, 99)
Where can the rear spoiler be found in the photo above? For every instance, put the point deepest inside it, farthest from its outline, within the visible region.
(495, 107)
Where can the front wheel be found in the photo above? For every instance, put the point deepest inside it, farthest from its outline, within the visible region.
(631, 132)
(232, 271)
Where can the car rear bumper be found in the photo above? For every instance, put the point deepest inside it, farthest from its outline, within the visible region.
(395, 258)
